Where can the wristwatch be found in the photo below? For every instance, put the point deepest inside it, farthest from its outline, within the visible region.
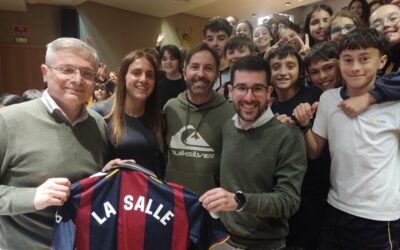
(305, 128)
(240, 199)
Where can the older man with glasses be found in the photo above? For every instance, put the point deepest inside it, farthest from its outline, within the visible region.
(262, 165)
(48, 143)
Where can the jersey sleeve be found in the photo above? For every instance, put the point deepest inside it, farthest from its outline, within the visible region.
(205, 231)
(64, 228)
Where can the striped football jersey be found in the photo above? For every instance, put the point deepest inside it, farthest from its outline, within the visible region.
(129, 208)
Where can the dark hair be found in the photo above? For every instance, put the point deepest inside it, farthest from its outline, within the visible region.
(365, 10)
(174, 52)
(216, 24)
(283, 52)
(291, 25)
(10, 99)
(250, 63)
(321, 52)
(152, 116)
(100, 85)
(239, 41)
(32, 94)
(248, 24)
(373, 2)
(313, 9)
(364, 38)
(201, 47)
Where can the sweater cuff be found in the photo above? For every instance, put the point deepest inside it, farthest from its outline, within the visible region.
(378, 95)
(23, 200)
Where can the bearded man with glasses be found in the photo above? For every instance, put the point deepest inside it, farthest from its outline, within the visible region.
(46, 144)
(263, 163)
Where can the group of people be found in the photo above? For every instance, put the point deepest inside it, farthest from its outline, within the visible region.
(291, 140)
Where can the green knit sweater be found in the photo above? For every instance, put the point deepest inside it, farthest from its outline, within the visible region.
(267, 164)
(35, 146)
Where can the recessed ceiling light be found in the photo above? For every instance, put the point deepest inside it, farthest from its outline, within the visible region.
(288, 3)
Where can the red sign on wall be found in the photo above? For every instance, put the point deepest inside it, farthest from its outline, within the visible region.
(20, 30)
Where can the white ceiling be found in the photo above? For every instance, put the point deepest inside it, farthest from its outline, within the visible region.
(243, 9)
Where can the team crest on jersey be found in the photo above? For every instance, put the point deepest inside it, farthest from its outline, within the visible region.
(189, 142)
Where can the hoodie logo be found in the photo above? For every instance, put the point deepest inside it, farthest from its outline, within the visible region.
(190, 144)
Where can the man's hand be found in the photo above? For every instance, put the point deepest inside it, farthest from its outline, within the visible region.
(53, 192)
(304, 112)
(353, 106)
(218, 199)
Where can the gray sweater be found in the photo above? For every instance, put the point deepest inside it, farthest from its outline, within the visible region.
(35, 146)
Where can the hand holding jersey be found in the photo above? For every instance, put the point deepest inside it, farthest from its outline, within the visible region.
(217, 200)
(53, 192)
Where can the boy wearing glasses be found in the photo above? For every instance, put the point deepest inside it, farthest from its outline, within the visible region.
(386, 20)
(364, 194)
(260, 187)
(46, 144)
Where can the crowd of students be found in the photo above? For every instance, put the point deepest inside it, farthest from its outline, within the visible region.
(336, 81)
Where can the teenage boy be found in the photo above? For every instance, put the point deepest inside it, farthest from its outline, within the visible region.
(236, 47)
(260, 186)
(322, 66)
(364, 195)
(286, 70)
(216, 32)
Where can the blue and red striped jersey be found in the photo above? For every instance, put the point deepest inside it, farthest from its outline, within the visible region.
(129, 208)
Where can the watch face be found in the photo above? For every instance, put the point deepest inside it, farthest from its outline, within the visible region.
(240, 199)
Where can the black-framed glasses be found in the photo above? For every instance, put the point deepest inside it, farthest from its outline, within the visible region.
(70, 72)
(346, 27)
(257, 90)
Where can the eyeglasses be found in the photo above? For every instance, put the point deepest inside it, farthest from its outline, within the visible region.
(257, 90)
(347, 28)
(392, 19)
(70, 72)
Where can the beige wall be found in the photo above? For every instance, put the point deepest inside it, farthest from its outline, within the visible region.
(178, 24)
(43, 22)
(114, 32)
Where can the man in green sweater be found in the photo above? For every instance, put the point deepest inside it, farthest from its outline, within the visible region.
(263, 163)
(193, 124)
(47, 144)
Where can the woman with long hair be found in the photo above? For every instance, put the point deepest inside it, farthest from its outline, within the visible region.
(317, 23)
(134, 123)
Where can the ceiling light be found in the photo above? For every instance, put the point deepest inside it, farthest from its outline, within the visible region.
(288, 3)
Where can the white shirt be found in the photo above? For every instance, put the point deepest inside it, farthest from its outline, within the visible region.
(264, 118)
(365, 168)
(52, 106)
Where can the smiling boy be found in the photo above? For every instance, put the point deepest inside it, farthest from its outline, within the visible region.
(364, 195)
